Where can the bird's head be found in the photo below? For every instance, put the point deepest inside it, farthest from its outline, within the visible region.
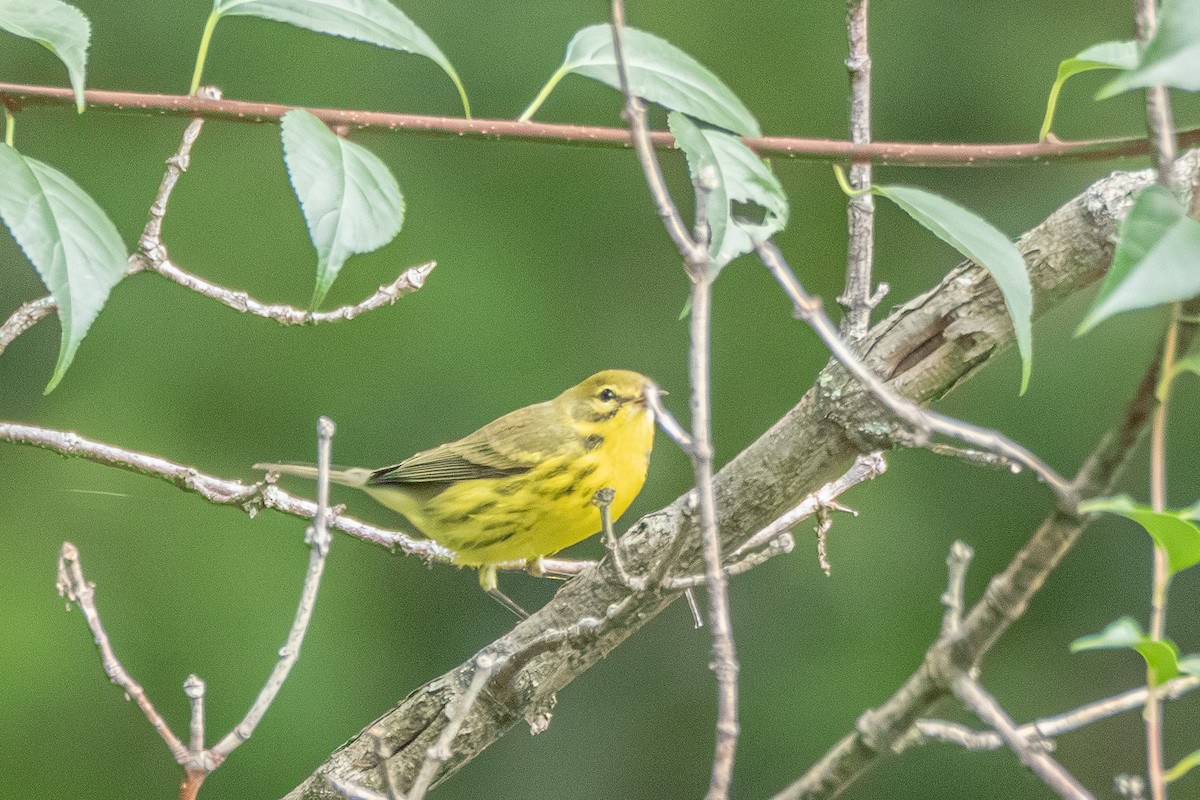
(610, 395)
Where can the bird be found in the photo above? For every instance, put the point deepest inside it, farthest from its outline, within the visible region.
(525, 485)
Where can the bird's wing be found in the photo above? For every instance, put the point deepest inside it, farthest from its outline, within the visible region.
(508, 446)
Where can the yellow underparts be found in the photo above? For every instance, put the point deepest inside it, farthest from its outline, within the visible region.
(489, 520)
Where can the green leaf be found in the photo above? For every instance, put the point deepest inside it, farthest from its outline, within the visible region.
(1183, 767)
(1172, 57)
(70, 241)
(1162, 657)
(376, 22)
(60, 28)
(350, 200)
(1190, 665)
(1107, 55)
(1172, 532)
(736, 175)
(978, 240)
(1189, 363)
(1157, 259)
(658, 71)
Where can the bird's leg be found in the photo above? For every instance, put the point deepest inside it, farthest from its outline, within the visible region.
(603, 500)
(489, 583)
(506, 601)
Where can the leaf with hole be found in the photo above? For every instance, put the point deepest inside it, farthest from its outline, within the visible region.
(1171, 58)
(376, 22)
(658, 71)
(1162, 657)
(350, 200)
(60, 28)
(1106, 55)
(1157, 260)
(1173, 533)
(734, 174)
(978, 240)
(70, 241)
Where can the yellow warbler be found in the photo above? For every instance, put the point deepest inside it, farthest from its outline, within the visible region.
(521, 487)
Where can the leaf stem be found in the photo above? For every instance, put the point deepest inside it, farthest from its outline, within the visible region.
(10, 125)
(202, 53)
(528, 113)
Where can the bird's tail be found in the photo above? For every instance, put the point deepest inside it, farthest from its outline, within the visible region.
(346, 477)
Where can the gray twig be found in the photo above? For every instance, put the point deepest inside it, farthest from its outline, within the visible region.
(1045, 729)
(858, 298)
(956, 569)
(780, 545)
(603, 500)
(440, 753)
(923, 421)
(696, 261)
(977, 699)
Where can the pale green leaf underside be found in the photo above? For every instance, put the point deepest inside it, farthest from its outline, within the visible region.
(1162, 657)
(376, 22)
(1172, 57)
(60, 28)
(1106, 55)
(978, 240)
(1157, 259)
(661, 73)
(70, 241)
(739, 176)
(350, 200)
(1179, 537)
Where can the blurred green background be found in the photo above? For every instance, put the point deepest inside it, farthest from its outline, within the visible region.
(552, 265)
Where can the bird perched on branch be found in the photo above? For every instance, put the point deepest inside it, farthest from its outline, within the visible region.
(522, 486)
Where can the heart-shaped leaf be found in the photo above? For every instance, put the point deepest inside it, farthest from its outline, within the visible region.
(976, 238)
(376, 22)
(60, 28)
(70, 241)
(733, 173)
(350, 200)
(1171, 58)
(658, 71)
(1106, 55)
(1157, 259)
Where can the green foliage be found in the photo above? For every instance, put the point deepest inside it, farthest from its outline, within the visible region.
(1171, 530)
(350, 200)
(376, 22)
(978, 240)
(1185, 765)
(1162, 656)
(1172, 57)
(734, 174)
(70, 241)
(1106, 55)
(60, 28)
(1157, 259)
(658, 71)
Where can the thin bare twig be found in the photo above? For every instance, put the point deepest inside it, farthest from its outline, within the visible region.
(956, 572)
(319, 539)
(440, 753)
(782, 544)
(858, 298)
(78, 590)
(865, 468)
(922, 420)
(927, 154)
(24, 318)
(696, 261)
(977, 699)
(1045, 729)
(1160, 129)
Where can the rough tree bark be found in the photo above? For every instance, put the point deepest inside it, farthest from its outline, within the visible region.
(924, 348)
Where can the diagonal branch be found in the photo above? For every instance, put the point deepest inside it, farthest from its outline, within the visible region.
(923, 348)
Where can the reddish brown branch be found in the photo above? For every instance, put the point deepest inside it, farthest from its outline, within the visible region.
(929, 154)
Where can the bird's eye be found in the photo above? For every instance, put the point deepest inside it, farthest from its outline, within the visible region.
(607, 395)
